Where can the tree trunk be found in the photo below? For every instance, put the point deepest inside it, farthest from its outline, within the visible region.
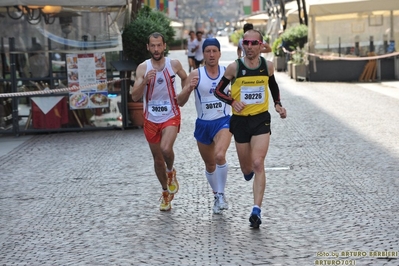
(299, 11)
(305, 13)
(283, 17)
(136, 4)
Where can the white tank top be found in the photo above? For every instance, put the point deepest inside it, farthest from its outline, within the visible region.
(190, 45)
(199, 55)
(207, 105)
(160, 103)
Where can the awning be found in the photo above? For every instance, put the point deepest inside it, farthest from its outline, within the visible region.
(176, 24)
(256, 19)
(64, 3)
(332, 7)
(292, 16)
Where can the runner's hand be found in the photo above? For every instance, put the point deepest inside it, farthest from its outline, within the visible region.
(150, 75)
(281, 110)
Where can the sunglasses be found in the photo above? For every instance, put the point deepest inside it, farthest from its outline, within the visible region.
(252, 42)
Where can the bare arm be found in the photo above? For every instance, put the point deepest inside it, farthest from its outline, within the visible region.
(178, 69)
(191, 84)
(231, 70)
(141, 81)
(266, 48)
(270, 67)
(239, 49)
(229, 74)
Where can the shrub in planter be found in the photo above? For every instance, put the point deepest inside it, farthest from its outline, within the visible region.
(299, 56)
(279, 59)
(135, 35)
(295, 37)
(299, 59)
(277, 48)
(236, 36)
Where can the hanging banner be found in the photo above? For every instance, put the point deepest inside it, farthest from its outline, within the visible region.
(87, 71)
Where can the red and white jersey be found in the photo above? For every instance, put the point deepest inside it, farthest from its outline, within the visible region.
(160, 103)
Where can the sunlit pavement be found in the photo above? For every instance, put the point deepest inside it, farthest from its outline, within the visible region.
(91, 198)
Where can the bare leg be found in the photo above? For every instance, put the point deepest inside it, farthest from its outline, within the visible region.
(159, 164)
(222, 142)
(169, 135)
(259, 145)
(162, 154)
(252, 156)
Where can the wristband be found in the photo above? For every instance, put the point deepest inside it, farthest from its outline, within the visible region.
(279, 103)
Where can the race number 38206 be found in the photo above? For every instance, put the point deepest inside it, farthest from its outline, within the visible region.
(157, 109)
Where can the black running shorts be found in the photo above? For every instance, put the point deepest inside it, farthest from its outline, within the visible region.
(244, 127)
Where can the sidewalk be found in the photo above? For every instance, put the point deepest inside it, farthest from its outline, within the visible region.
(389, 88)
(9, 143)
(91, 198)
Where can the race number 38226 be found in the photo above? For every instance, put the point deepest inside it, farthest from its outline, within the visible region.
(253, 96)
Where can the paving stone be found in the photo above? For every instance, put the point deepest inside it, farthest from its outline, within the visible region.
(92, 198)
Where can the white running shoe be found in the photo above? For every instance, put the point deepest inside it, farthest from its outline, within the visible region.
(223, 205)
(216, 207)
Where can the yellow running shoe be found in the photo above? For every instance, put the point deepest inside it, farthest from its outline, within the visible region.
(166, 201)
(173, 185)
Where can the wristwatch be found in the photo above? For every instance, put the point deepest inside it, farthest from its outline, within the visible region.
(279, 103)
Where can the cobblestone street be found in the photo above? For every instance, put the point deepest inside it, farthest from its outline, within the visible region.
(92, 198)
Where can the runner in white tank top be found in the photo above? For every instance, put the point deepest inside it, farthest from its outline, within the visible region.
(213, 121)
(207, 105)
(155, 84)
(190, 49)
(160, 94)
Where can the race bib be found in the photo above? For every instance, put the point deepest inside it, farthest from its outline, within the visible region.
(159, 108)
(211, 104)
(253, 95)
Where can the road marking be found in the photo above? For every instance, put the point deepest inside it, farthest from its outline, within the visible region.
(275, 168)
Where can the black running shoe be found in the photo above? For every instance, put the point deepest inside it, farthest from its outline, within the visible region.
(255, 219)
(249, 176)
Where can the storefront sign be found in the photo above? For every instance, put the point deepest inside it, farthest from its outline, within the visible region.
(89, 73)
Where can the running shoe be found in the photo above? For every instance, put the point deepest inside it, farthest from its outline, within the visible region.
(173, 185)
(249, 176)
(254, 218)
(166, 201)
(216, 206)
(222, 202)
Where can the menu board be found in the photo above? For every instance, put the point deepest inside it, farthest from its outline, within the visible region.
(89, 73)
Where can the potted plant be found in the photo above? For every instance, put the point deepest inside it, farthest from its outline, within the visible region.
(134, 39)
(294, 39)
(299, 69)
(279, 60)
(135, 35)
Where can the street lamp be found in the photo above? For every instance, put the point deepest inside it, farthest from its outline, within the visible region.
(34, 14)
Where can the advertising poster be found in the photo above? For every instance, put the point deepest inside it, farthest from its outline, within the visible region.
(87, 71)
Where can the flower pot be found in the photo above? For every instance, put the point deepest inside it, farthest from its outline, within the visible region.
(279, 63)
(289, 69)
(299, 72)
(136, 115)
